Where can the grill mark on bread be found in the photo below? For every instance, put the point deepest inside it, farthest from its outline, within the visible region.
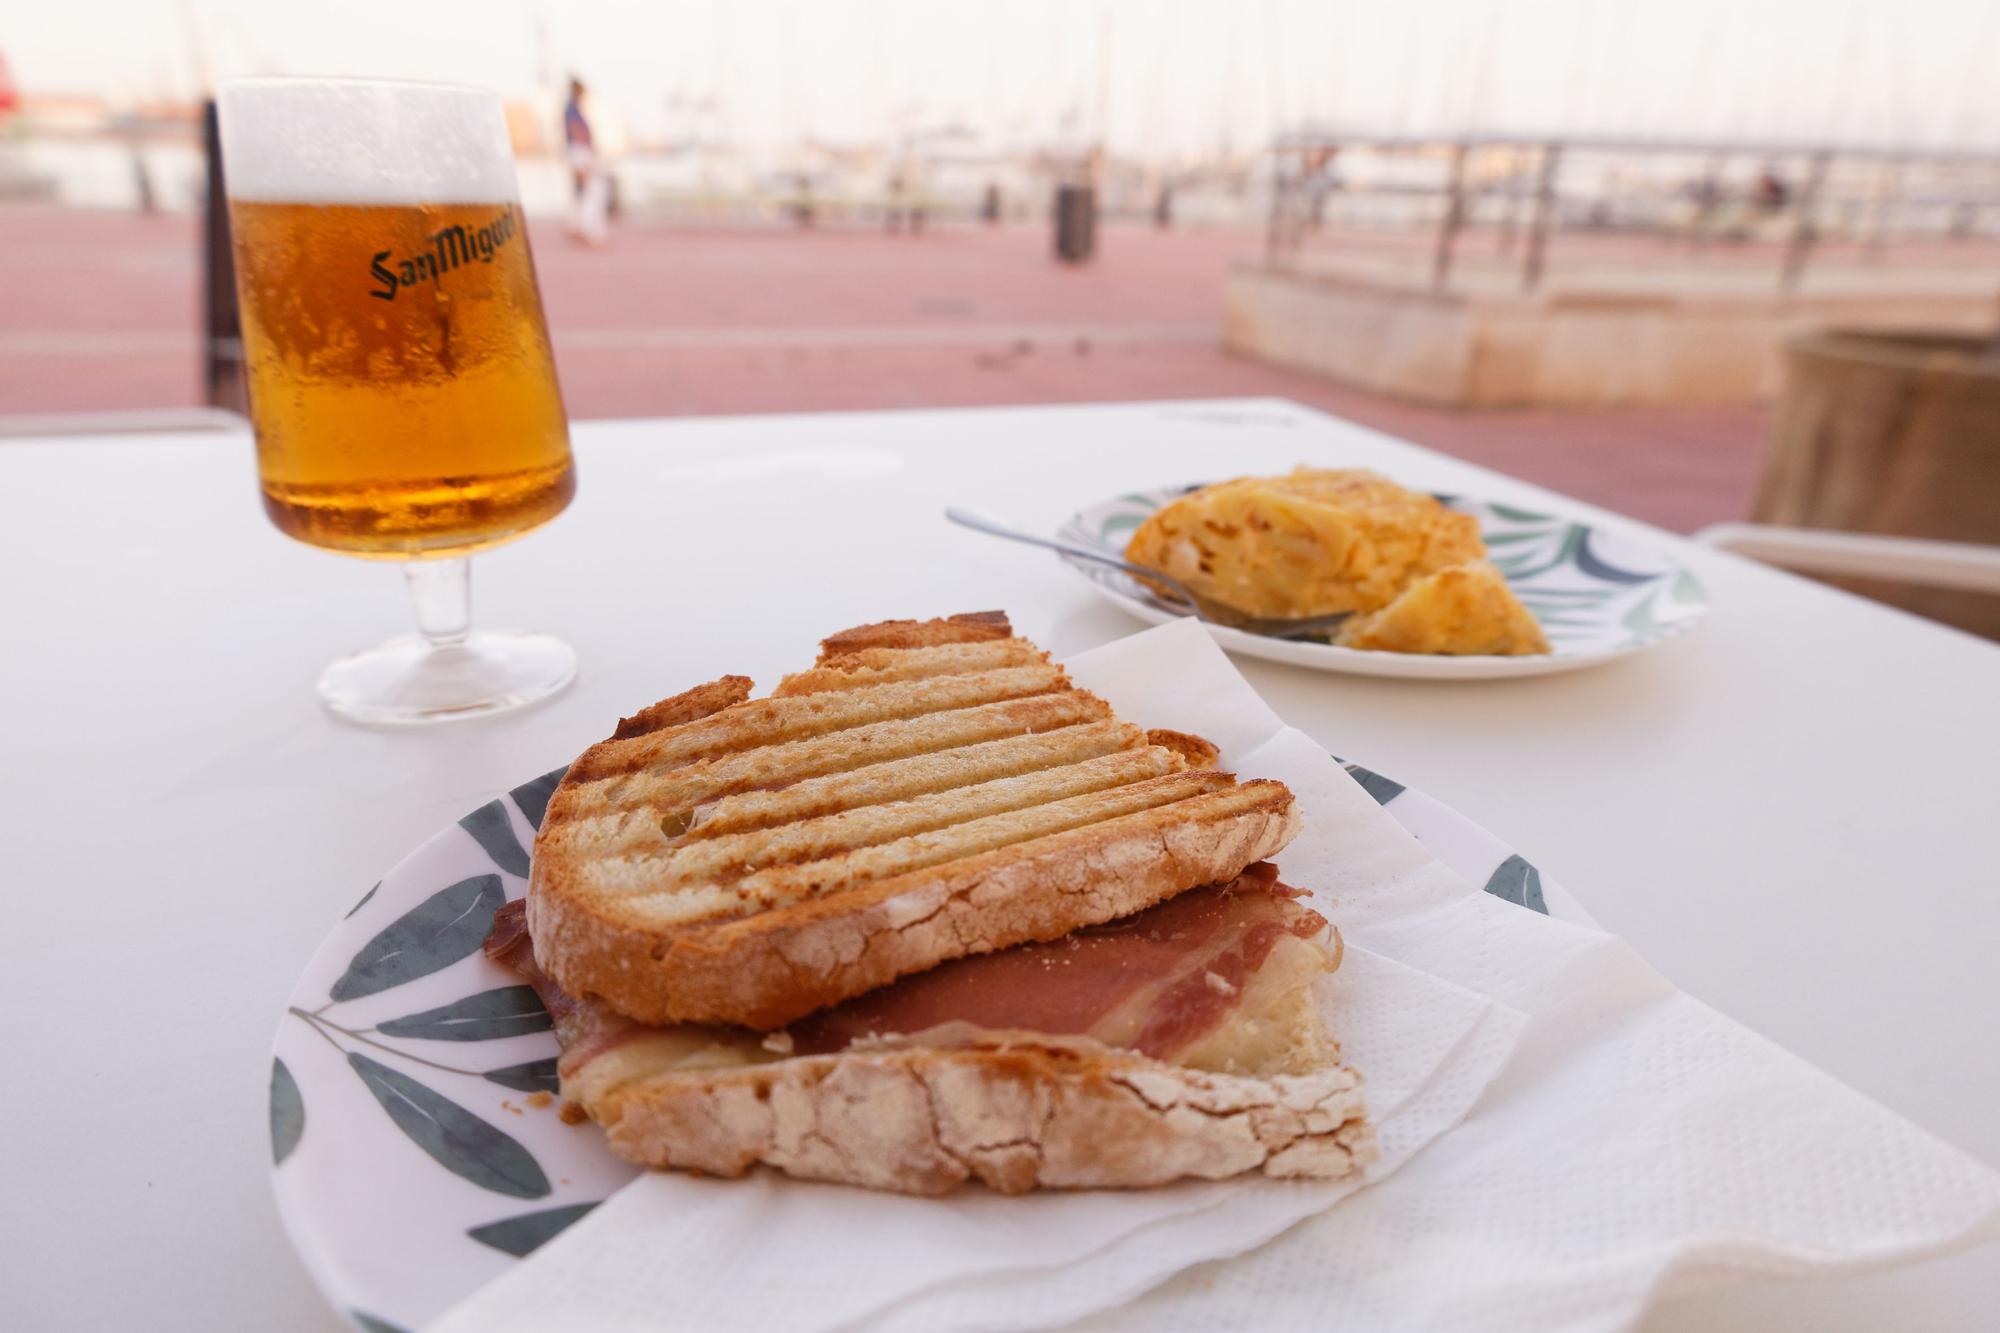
(676, 793)
(901, 779)
(635, 879)
(729, 857)
(880, 666)
(823, 950)
(776, 809)
(768, 722)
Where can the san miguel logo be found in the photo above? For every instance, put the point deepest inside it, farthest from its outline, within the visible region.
(450, 247)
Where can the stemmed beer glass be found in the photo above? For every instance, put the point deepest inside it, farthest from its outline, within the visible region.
(401, 383)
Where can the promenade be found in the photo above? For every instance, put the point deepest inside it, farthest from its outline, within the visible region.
(101, 311)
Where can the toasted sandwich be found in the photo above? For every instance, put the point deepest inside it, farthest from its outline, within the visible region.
(931, 913)
(926, 791)
(1179, 1042)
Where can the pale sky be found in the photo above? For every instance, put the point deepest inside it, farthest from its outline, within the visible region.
(1174, 76)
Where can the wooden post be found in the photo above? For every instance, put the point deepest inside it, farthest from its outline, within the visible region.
(1510, 220)
(1271, 213)
(1277, 232)
(1803, 231)
(1544, 218)
(1709, 204)
(1888, 193)
(222, 340)
(1454, 219)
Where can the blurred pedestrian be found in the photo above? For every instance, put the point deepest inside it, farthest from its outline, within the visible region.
(588, 178)
(1773, 191)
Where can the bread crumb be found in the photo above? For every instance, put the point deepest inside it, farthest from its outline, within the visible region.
(540, 1099)
(572, 1114)
(779, 1042)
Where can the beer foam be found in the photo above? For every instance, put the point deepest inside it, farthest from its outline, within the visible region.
(342, 141)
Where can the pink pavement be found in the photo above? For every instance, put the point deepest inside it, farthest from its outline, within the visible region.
(101, 311)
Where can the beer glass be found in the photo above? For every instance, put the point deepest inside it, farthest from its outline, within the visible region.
(401, 383)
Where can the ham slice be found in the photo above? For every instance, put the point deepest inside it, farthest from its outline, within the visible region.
(1153, 983)
(584, 1029)
(1162, 983)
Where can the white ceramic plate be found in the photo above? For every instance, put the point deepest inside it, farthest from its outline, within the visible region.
(1600, 595)
(415, 1157)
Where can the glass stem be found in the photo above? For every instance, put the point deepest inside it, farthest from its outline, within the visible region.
(441, 592)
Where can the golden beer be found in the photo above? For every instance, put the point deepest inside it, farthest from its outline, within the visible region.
(401, 385)
(401, 381)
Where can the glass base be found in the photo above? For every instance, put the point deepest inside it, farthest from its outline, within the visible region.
(408, 681)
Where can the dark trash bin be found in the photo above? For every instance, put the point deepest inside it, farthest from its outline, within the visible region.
(1076, 223)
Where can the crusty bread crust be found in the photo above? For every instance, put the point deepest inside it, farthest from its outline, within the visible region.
(966, 627)
(1016, 1111)
(765, 970)
(1196, 751)
(880, 665)
(687, 706)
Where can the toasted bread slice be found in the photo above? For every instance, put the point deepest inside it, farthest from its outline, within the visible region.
(929, 789)
(1179, 1042)
(1016, 1111)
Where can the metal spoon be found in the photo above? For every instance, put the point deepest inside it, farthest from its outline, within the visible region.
(1204, 608)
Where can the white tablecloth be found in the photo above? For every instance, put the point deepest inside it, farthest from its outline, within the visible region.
(184, 823)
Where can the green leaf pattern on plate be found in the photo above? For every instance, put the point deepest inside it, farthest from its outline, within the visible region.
(530, 1231)
(534, 1076)
(364, 900)
(533, 797)
(1547, 546)
(1513, 879)
(1592, 591)
(1384, 790)
(436, 933)
(368, 1323)
(493, 830)
(445, 929)
(455, 1138)
(1518, 882)
(1663, 605)
(288, 1112)
(508, 1011)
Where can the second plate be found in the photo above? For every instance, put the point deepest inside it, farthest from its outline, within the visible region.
(1599, 595)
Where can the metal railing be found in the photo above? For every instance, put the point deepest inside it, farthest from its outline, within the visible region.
(1786, 197)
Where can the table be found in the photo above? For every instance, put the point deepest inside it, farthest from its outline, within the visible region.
(1790, 811)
